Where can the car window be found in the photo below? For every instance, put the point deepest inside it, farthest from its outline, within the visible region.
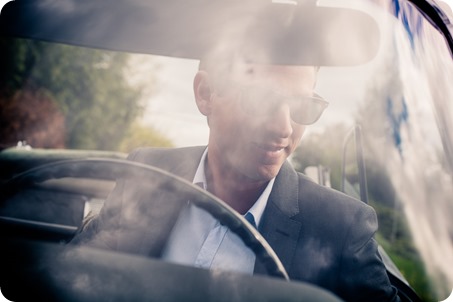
(386, 132)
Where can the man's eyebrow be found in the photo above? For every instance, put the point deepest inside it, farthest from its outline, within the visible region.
(250, 70)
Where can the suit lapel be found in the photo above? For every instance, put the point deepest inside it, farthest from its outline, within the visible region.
(277, 225)
(181, 162)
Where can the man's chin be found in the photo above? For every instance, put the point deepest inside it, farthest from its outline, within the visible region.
(267, 172)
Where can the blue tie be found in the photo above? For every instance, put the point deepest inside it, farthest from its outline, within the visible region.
(249, 217)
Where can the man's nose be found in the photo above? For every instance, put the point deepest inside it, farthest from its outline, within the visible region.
(280, 122)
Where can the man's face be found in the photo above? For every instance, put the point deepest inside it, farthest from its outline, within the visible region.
(251, 129)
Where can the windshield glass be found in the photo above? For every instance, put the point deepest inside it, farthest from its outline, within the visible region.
(385, 134)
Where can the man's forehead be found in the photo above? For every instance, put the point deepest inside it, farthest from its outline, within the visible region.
(256, 69)
(269, 72)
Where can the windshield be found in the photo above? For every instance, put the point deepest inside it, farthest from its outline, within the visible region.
(388, 75)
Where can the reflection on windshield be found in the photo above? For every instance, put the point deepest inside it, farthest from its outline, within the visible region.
(401, 102)
(402, 99)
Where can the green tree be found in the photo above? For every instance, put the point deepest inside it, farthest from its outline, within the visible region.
(139, 136)
(88, 86)
(322, 149)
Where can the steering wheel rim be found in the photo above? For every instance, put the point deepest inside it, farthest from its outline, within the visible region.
(113, 169)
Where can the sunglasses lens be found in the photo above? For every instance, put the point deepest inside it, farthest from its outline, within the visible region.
(307, 110)
(304, 110)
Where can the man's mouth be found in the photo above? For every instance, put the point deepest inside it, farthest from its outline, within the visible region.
(270, 152)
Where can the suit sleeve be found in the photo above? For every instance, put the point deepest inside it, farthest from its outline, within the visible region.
(138, 214)
(363, 276)
(100, 230)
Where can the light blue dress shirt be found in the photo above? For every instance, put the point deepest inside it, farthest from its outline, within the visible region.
(198, 239)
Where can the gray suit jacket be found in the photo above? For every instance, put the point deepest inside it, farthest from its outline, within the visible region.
(321, 235)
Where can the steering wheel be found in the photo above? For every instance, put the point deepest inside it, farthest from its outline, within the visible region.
(111, 169)
(78, 273)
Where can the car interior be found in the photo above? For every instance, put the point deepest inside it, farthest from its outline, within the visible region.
(49, 194)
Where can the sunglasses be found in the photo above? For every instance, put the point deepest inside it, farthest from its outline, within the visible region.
(304, 110)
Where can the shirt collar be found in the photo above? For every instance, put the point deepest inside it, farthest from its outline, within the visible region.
(258, 207)
(200, 177)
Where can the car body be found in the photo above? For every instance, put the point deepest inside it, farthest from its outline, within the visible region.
(387, 137)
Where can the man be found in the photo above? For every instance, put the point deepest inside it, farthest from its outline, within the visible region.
(257, 114)
(257, 104)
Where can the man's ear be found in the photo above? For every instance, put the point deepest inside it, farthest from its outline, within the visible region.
(202, 90)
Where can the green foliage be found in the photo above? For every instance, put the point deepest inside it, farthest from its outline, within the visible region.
(88, 86)
(140, 136)
(411, 266)
(322, 149)
(394, 234)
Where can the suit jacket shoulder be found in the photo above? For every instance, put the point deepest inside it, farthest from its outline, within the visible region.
(182, 162)
(137, 215)
(326, 238)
